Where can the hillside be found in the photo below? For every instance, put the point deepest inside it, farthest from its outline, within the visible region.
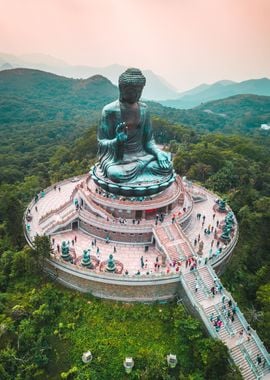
(219, 90)
(157, 87)
(32, 96)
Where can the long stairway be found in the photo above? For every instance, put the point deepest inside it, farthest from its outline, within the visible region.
(243, 342)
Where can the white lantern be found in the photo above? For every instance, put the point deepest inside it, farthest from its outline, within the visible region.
(87, 357)
(128, 364)
(171, 360)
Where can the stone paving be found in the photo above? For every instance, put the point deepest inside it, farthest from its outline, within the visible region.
(130, 255)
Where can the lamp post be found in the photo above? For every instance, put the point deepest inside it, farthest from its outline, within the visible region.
(171, 360)
(128, 364)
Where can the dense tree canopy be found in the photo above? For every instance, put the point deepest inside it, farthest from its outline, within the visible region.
(45, 328)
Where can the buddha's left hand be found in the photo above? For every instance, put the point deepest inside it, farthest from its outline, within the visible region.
(163, 160)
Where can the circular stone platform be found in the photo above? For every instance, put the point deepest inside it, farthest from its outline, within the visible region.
(151, 237)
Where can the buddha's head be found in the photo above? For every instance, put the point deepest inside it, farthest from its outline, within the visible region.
(131, 84)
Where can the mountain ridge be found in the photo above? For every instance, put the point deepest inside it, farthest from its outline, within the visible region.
(219, 90)
(28, 96)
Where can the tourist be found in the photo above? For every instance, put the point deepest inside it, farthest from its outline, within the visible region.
(214, 215)
(36, 208)
(211, 317)
(203, 218)
(217, 224)
(58, 248)
(241, 336)
(199, 237)
(142, 262)
(53, 241)
(126, 272)
(258, 359)
(212, 243)
(59, 188)
(213, 291)
(114, 249)
(232, 318)
(230, 303)
(195, 242)
(72, 241)
(75, 239)
(196, 287)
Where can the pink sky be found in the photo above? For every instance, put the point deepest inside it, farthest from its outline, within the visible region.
(188, 42)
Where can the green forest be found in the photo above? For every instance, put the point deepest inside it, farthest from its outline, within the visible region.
(45, 328)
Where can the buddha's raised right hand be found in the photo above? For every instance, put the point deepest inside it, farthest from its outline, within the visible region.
(121, 134)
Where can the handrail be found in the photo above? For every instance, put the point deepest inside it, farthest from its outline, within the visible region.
(94, 206)
(198, 307)
(205, 290)
(155, 233)
(226, 251)
(96, 275)
(86, 217)
(229, 328)
(251, 364)
(244, 322)
(257, 339)
(61, 223)
(45, 217)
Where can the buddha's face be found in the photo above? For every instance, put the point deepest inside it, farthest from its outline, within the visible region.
(130, 93)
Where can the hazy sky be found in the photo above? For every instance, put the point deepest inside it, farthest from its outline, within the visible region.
(188, 42)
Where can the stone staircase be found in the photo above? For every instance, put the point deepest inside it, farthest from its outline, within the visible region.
(177, 248)
(85, 195)
(242, 350)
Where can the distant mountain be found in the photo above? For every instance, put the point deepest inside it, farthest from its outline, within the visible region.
(6, 66)
(157, 87)
(242, 114)
(32, 96)
(219, 90)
